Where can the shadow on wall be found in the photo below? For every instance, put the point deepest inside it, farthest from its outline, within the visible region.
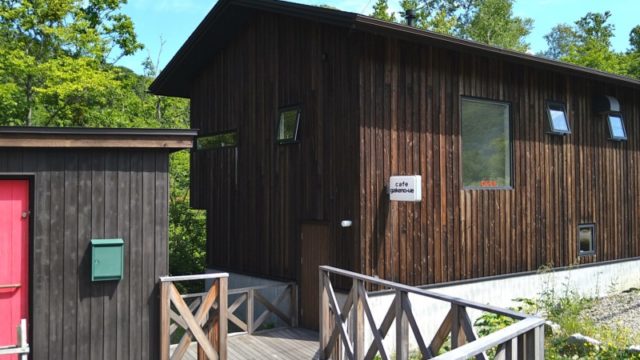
(380, 227)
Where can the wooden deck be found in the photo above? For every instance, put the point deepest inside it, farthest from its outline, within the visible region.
(281, 344)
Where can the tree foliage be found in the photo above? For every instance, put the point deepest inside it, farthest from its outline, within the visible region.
(58, 67)
(489, 21)
(381, 11)
(58, 57)
(588, 43)
(494, 23)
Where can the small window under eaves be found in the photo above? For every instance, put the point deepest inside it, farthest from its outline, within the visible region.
(217, 141)
(288, 125)
(558, 122)
(616, 127)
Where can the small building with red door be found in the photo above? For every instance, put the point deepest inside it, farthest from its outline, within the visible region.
(84, 239)
(306, 114)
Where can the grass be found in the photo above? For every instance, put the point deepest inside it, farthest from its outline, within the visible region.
(566, 308)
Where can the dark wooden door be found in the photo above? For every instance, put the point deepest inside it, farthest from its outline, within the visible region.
(314, 251)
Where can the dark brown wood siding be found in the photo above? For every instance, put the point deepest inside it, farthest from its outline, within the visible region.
(80, 194)
(410, 124)
(257, 194)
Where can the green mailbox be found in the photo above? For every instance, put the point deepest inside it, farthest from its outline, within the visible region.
(107, 258)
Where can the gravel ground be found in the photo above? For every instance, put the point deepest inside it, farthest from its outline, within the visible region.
(618, 310)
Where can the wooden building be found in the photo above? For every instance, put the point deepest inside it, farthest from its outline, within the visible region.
(61, 190)
(305, 113)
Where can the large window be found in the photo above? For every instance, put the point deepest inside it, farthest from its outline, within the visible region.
(558, 123)
(288, 125)
(486, 144)
(616, 127)
(217, 141)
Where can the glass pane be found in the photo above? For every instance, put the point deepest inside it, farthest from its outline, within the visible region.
(558, 119)
(585, 239)
(486, 149)
(288, 125)
(217, 141)
(617, 127)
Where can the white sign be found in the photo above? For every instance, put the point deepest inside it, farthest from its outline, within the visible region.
(405, 188)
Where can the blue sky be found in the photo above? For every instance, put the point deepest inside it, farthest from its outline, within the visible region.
(175, 20)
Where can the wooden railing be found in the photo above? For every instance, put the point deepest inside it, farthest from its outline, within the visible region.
(342, 328)
(200, 316)
(208, 325)
(255, 295)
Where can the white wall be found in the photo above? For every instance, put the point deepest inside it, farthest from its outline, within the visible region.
(587, 281)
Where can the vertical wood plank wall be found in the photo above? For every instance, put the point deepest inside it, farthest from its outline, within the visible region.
(375, 106)
(79, 195)
(257, 194)
(410, 124)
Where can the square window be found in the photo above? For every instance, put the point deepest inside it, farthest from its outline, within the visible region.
(558, 122)
(288, 125)
(586, 239)
(217, 141)
(486, 144)
(616, 127)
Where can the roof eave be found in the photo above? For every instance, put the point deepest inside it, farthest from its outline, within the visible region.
(372, 25)
(41, 137)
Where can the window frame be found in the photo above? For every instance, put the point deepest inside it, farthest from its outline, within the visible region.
(591, 226)
(296, 137)
(624, 128)
(509, 148)
(552, 130)
(230, 131)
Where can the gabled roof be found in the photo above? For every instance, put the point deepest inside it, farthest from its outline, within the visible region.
(229, 16)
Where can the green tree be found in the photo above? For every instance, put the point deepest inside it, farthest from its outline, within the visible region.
(58, 68)
(187, 227)
(633, 55)
(634, 39)
(381, 11)
(588, 43)
(559, 41)
(489, 21)
(56, 57)
(494, 23)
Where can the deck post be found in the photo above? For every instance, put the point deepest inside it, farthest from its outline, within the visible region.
(223, 298)
(323, 311)
(455, 326)
(402, 329)
(294, 305)
(250, 310)
(358, 323)
(164, 321)
(534, 344)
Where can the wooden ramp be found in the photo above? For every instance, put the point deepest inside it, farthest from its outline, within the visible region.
(284, 343)
(281, 344)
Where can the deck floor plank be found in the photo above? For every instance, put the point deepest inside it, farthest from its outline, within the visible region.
(280, 344)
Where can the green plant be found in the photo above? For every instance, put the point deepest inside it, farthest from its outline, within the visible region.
(490, 322)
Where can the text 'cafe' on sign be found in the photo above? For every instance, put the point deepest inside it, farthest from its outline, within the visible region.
(405, 188)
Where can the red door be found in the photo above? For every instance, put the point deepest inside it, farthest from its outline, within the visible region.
(14, 259)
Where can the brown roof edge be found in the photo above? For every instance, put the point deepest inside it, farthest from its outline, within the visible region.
(373, 25)
(180, 69)
(42, 137)
(227, 16)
